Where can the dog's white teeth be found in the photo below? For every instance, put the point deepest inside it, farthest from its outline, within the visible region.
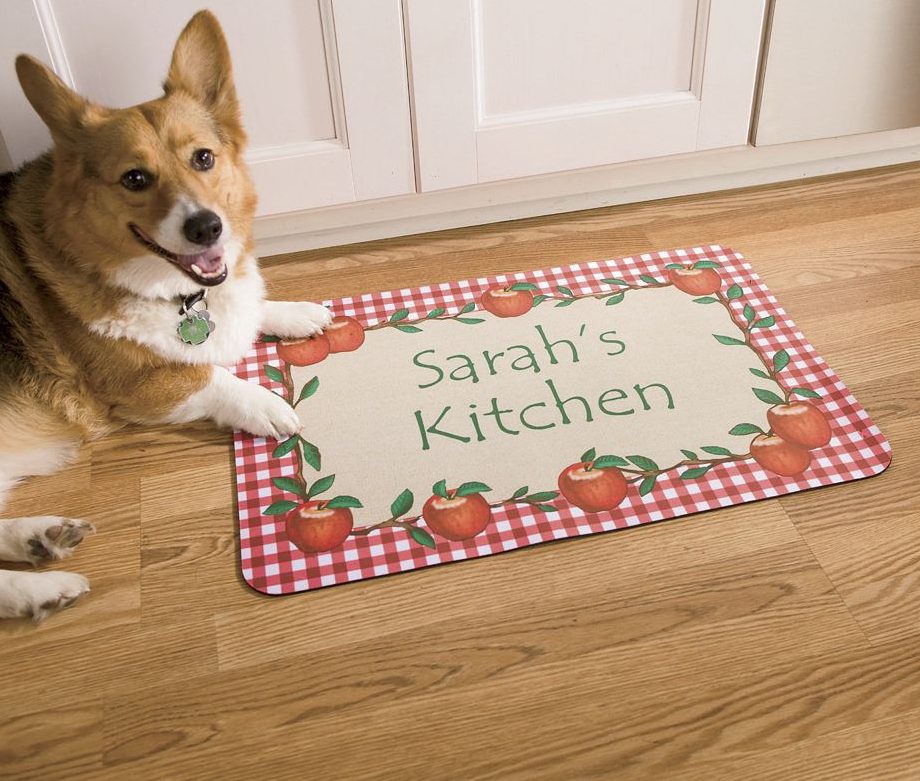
(196, 269)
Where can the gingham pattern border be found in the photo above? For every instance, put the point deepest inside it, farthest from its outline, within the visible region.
(272, 565)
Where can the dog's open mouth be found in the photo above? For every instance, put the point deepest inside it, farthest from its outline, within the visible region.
(206, 268)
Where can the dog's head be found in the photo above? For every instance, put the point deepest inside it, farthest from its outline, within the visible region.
(156, 197)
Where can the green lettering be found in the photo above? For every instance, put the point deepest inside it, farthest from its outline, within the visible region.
(415, 360)
(640, 389)
(603, 400)
(434, 430)
(560, 404)
(550, 345)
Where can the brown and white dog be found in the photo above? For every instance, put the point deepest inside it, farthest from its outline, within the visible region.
(103, 241)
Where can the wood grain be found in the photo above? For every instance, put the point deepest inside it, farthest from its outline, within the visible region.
(768, 641)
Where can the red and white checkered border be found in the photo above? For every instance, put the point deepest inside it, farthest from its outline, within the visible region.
(272, 565)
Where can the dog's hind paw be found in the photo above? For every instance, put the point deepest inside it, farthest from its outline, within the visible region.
(42, 538)
(37, 595)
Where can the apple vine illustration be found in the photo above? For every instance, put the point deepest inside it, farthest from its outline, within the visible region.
(594, 483)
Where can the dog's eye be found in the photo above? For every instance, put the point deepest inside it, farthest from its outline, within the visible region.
(136, 180)
(202, 159)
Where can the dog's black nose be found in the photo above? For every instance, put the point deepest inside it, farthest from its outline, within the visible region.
(203, 227)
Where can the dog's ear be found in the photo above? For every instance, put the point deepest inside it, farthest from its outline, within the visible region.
(201, 67)
(60, 108)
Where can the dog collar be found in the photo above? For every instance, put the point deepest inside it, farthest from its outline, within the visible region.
(196, 325)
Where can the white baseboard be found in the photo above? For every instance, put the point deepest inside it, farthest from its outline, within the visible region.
(591, 188)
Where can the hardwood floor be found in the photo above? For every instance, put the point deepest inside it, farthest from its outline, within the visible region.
(777, 640)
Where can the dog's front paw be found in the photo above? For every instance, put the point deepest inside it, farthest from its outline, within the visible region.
(295, 319)
(268, 415)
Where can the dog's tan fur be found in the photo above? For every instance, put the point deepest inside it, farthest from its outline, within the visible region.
(64, 238)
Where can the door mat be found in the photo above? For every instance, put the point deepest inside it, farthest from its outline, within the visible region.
(468, 418)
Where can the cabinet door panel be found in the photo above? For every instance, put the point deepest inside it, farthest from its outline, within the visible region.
(512, 88)
(324, 128)
(839, 67)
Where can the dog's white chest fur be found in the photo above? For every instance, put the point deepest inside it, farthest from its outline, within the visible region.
(235, 308)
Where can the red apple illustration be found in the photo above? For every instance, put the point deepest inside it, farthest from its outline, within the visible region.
(777, 455)
(695, 281)
(457, 517)
(591, 488)
(506, 303)
(344, 334)
(304, 352)
(314, 528)
(800, 423)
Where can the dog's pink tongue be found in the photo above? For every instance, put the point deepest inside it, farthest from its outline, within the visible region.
(208, 261)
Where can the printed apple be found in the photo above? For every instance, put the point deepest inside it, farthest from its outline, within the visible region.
(777, 455)
(695, 281)
(457, 517)
(593, 489)
(304, 352)
(506, 303)
(314, 528)
(801, 423)
(344, 334)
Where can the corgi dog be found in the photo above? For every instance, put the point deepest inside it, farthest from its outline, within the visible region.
(127, 286)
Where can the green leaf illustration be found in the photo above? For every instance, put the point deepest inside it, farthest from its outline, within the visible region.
(604, 462)
(343, 501)
(760, 373)
(675, 265)
(321, 485)
(647, 278)
(440, 489)
(421, 536)
(734, 292)
(436, 312)
(537, 300)
(311, 454)
(768, 397)
(270, 338)
(402, 504)
(309, 389)
(749, 313)
(566, 302)
(645, 464)
(689, 454)
(279, 508)
(524, 286)
(472, 488)
(588, 455)
(399, 314)
(273, 373)
(408, 329)
(285, 447)
(543, 496)
(291, 486)
(764, 322)
(691, 474)
(614, 281)
(565, 291)
(469, 320)
(705, 300)
(647, 485)
(743, 429)
(810, 394)
(727, 339)
(780, 361)
(616, 298)
(520, 492)
(467, 308)
(707, 264)
(715, 450)
(546, 508)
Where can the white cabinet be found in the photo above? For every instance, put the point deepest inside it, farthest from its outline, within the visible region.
(840, 67)
(322, 84)
(511, 88)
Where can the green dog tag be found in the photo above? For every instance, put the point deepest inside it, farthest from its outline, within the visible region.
(195, 328)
